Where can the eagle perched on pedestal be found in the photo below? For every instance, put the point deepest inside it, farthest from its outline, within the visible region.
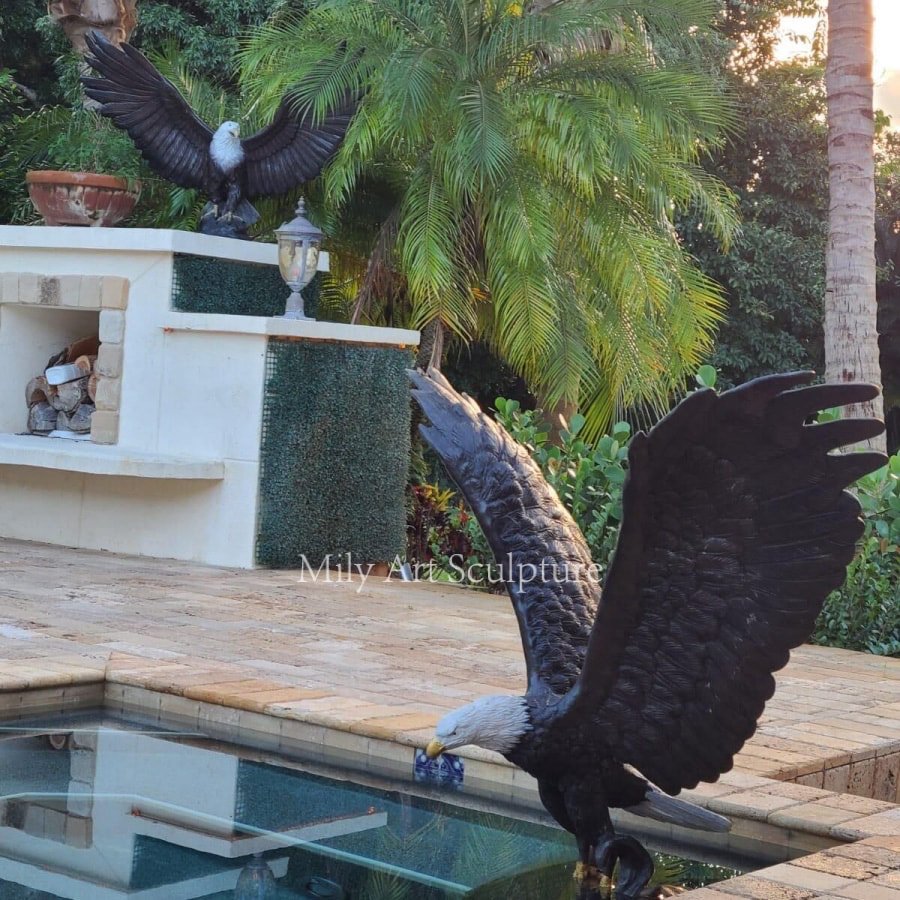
(736, 526)
(177, 144)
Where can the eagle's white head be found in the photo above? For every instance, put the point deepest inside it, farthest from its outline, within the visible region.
(496, 723)
(225, 147)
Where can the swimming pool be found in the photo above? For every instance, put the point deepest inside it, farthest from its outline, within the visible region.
(99, 807)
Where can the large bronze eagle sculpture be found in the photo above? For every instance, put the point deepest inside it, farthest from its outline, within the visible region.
(181, 147)
(736, 526)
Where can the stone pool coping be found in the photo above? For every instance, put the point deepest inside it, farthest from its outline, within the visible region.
(854, 841)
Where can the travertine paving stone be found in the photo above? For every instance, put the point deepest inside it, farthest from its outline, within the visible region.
(419, 648)
(763, 889)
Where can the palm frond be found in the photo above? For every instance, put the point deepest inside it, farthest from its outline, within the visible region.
(538, 162)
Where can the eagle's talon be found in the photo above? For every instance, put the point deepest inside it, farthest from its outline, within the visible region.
(589, 876)
(635, 865)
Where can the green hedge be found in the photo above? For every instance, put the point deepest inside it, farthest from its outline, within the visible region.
(206, 284)
(335, 453)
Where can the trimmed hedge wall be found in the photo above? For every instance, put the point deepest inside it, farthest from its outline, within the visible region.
(334, 455)
(205, 284)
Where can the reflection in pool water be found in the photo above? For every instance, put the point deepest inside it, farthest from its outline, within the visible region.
(105, 811)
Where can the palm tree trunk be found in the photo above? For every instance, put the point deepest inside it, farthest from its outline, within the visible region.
(851, 336)
(557, 416)
(430, 354)
(116, 19)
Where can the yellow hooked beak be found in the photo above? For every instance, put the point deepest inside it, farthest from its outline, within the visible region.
(236, 131)
(434, 749)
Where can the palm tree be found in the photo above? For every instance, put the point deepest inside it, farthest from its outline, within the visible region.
(851, 336)
(534, 162)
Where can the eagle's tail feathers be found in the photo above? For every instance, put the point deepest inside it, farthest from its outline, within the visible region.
(675, 811)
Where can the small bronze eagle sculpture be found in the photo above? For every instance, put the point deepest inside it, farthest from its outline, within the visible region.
(736, 526)
(177, 144)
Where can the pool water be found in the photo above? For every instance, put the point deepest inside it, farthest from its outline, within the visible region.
(100, 808)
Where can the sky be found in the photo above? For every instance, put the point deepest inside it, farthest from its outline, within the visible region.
(887, 57)
(887, 53)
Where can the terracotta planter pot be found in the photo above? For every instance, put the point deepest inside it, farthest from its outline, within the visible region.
(81, 198)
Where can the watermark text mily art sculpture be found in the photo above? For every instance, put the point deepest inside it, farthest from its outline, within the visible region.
(736, 526)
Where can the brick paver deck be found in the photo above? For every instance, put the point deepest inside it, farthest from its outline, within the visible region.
(387, 659)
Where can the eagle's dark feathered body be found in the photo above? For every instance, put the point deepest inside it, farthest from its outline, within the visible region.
(178, 145)
(736, 526)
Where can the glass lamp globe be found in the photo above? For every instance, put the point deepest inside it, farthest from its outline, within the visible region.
(298, 256)
(256, 881)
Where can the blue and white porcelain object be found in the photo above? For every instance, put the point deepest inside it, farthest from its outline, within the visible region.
(447, 769)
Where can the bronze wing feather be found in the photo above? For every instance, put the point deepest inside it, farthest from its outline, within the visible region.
(736, 527)
(170, 136)
(527, 527)
(292, 149)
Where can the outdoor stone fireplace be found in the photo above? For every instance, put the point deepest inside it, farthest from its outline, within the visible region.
(175, 465)
(47, 314)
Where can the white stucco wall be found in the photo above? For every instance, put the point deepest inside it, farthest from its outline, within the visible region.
(190, 408)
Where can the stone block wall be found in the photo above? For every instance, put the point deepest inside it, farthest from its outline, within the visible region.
(876, 777)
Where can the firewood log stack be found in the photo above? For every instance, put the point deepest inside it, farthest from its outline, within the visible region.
(61, 399)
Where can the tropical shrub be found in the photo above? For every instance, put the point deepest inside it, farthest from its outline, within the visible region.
(865, 613)
(445, 540)
(588, 476)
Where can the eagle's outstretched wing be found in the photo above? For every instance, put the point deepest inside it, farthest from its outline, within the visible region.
(736, 527)
(291, 149)
(527, 526)
(169, 135)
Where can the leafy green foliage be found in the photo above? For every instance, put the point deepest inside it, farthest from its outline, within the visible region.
(775, 162)
(11, 105)
(207, 31)
(588, 476)
(81, 140)
(445, 541)
(706, 377)
(879, 496)
(865, 613)
(535, 163)
(774, 272)
(753, 29)
(29, 44)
